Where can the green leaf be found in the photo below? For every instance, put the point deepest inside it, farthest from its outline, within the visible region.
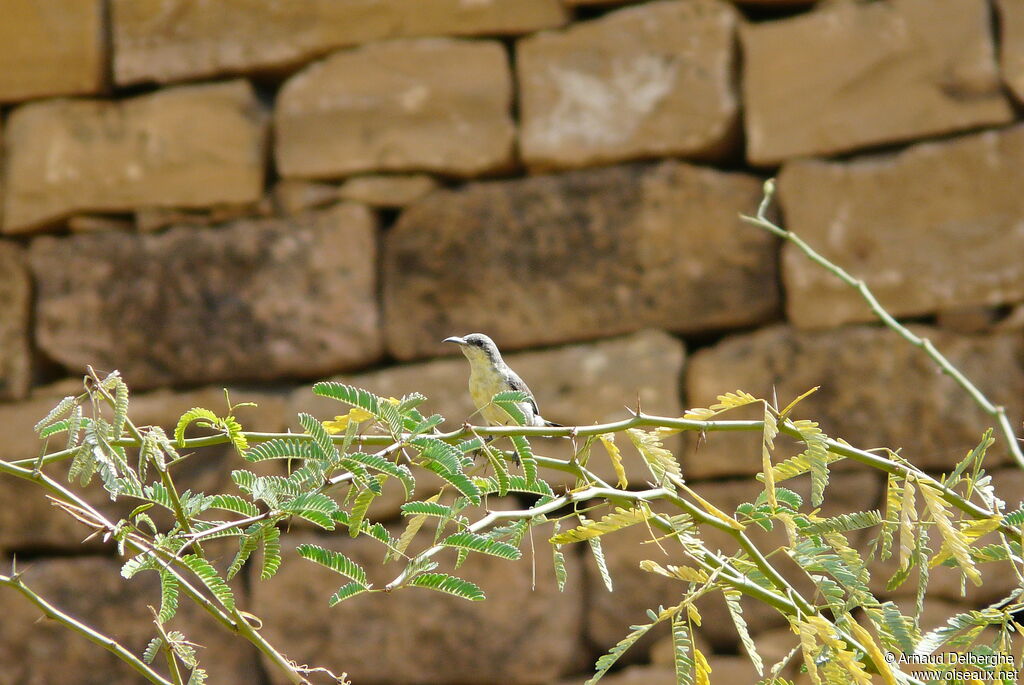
(497, 462)
(323, 447)
(345, 591)
(817, 457)
(336, 561)
(360, 507)
(602, 566)
(271, 552)
(247, 544)
(509, 402)
(972, 459)
(843, 523)
(459, 480)
(208, 575)
(681, 646)
(437, 452)
(279, 448)
(526, 458)
(208, 418)
(234, 503)
(428, 509)
(168, 596)
(390, 468)
(608, 660)
(452, 585)
(558, 560)
(62, 408)
(315, 507)
(732, 602)
(153, 649)
(479, 543)
(382, 409)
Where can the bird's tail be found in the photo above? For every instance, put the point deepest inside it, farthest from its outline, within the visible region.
(552, 424)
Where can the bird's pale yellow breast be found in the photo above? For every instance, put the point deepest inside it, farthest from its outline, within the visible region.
(485, 383)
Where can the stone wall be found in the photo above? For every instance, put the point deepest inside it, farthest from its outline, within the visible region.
(259, 194)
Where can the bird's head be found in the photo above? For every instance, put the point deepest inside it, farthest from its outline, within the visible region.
(477, 347)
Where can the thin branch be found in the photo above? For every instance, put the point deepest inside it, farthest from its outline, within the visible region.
(111, 645)
(997, 411)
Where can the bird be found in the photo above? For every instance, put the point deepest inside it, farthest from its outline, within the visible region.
(489, 375)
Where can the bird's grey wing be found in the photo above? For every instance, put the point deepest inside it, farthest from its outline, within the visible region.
(517, 383)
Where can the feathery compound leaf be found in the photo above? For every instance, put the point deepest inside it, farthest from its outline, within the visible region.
(497, 462)
(346, 591)
(730, 400)
(817, 457)
(558, 560)
(168, 596)
(359, 508)
(153, 649)
(526, 458)
(315, 507)
(660, 461)
(120, 403)
(768, 433)
(608, 660)
(247, 544)
(279, 448)
(509, 401)
(208, 418)
(952, 538)
(686, 573)
(732, 602)
(208, 575)
(479, 543)
(322, 446)
(336, 561)
(608, 441)
(382, 409)
(973, 458)
(452, 585)
(681, 646)
(438, 452)
(619, 519)
(234, 503)
(390, 468)
(458, 479)
(428, 508)
(602, 565)
(843, 523)
(62, 408)
(271, 552)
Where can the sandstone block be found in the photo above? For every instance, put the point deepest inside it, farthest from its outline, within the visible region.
(38, 652)
(419, 636)
(928, 228)
(387, 191)
(854, 75)
(409, 105)
(1011, 45)
(875, 390)
(647, 81)
(192, 146)
(161, 40)
(254, 299)
(580, 255)
(15, 302)
(51, 47)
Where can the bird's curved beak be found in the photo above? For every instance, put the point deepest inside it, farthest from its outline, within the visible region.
(455, 339)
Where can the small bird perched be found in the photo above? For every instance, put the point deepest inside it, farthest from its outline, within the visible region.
(489, 375)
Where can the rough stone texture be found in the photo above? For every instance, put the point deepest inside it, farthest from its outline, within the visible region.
(875, 390)
(852, 75)
(157, 40)
(574, 385)
(51, 47)
(36, 651)
(1011, 45)
(417, 636)
(928, 228)
(579, 255)
(34, 524)
(610, 614)
(254, 299)
(193, 146)
(651, 80)
(15, 302)
(429, 104)
(387, 191)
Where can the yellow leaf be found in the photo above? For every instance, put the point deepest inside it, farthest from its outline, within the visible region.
(702, 668)
(789, 407)
(715, 511)
(608, 440)
(876, 654)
